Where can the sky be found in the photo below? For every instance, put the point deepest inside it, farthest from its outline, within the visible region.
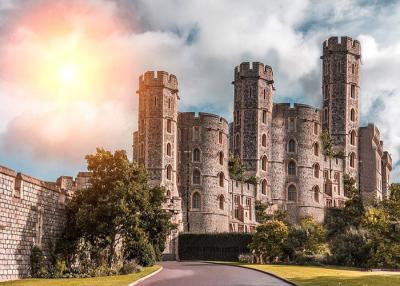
(69, 69)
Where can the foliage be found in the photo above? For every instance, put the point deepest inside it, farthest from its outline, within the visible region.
(37, 264)
(142, 251)
(246, 258)
(119, 208)
(130, 267)
(213, 246)
(327, 144)
(262, 215)
(236, 169)
(252, 180)
(269, 240)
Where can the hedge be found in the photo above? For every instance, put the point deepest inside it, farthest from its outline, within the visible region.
(213, 246)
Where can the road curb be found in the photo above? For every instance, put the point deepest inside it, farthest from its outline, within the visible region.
(146, 277)
(258, 270)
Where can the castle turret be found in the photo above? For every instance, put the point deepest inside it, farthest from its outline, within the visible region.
(341, 92)
(156, 139)
(253, 86)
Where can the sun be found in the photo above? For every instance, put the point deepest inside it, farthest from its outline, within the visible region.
(67, 73)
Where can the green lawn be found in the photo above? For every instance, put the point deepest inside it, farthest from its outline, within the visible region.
(121, 280)
(328, 276)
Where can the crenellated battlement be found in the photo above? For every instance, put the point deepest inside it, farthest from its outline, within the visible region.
(158, 79)
(346, 44)
(254, 70)
(203, 117)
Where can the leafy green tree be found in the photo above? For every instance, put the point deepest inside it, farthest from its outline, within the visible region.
(236, 169)
(118, 208)
(269, 240)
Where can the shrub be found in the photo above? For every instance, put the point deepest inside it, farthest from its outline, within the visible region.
(37, 262)
(130, 267)
(213, 246)
(142, 251)
(246, 258)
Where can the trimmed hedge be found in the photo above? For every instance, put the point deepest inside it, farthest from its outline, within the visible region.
(213, 246)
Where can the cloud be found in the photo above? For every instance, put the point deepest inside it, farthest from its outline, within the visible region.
(199, 41)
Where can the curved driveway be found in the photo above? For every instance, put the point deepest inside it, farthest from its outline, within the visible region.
(206, 274)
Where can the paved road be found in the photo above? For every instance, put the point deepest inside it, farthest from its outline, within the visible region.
(205, 274)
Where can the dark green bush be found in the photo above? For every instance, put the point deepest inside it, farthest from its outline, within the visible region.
(141, 251)
(37, 262)
(213, 246)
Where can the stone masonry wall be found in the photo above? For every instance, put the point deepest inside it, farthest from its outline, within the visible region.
(32, 212)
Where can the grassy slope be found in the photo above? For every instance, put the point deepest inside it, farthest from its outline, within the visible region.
(121, 280)
(329, 276)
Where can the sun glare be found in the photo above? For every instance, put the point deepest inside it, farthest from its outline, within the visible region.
(68, 73)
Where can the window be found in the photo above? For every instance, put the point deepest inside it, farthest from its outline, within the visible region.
(237, 117)
(168, 149)
(352, 68)
(264, 116)
(353, 91)
(249, 91)
(196, 177)
(220, 137)
(316, 194)
(196, 133)
(339, 67)
(155, 101)
(141, 150)
(264, 140)
(316, 170)
(196, 155)
(326, 92)
(316, 149)
(337, 181)
(352, 160)
(264, 93)
(168, 195)
(169, 103)
(352, 115)
(221, 158)
(264, 163)
(221, 202)
(221, 179)
(169, 125)
(326, 113)
(353, 137)
(292, 146)
(196, 201)
(169, 172)
(39, 226)
(315, 128)
(292, 168)
(292, 193)
(18, 187)
(264, 187)
(326, 174)
(237, 142)
(291, 125)
(236, 199)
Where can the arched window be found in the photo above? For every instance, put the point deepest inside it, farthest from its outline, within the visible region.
(264, 116)
(316, 149)
(316, 194)
(221, 158)
(196, 155)
(264, 187)
(168, 149)
(237, 143)
(316, 170)
(292, 193)
(264, 140)
(169, 172)
(352, 115)
(220, 134)
(221, 179)
(221, 202)
(292, 168)
(196, 201)
(196, 177)
(326, 114)
(264, 163)
(169, 125)
(353, 137)
(316, 128)
(168, 195)
(352, 160)
(292, 146)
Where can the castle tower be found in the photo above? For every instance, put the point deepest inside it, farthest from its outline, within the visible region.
(253, 86)
(341, 62)
(156, 139)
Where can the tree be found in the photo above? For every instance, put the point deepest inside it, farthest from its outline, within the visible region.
(236, 169)
(269, 240)
(119, 208)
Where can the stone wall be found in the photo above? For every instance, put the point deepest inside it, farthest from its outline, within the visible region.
(32, 212)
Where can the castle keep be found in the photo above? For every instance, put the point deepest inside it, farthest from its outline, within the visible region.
(278, 143)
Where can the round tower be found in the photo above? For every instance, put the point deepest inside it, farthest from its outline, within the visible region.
(341, 61)
(253, 89)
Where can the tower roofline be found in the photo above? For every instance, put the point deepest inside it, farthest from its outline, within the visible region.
(345, 45)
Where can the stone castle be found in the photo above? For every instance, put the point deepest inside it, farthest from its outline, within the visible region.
(188, 154)
(278, 143)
